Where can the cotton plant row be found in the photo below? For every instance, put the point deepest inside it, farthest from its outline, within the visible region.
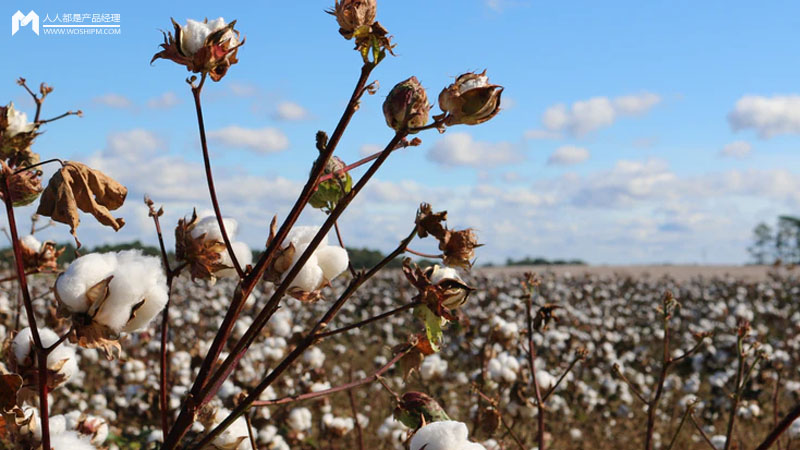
(102, 301)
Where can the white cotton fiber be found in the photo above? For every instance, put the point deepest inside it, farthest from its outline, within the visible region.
(31, 242)
(303, 235)
(82, 274)
(332, 260)
(70, 440)
(243, 254)
(209, 226)
(234, 435)
(310, 277)
(22, 346)
(447, 435)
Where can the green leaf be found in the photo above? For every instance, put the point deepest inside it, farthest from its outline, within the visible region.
(433, 325)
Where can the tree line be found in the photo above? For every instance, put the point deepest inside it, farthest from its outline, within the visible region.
(778, 243)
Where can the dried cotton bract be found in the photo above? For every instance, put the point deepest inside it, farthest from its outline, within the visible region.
(471, 100)
(109, 293)
(199, 242)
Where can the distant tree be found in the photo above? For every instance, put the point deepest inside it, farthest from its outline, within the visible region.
(787, 239)
(762, 247)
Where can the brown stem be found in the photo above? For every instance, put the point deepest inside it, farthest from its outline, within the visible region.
(632, 386)
(164, 369)
(775, 404)
(357, 423)
(776, 432)
(737, 392)
(345, 387)
(26, 298)
(532, 367)
(15, 276)
(210, 177)
(652, 405)
(561, 378)
(250, 432)
(425, 255)
(246, 286)
(370, 320)
(58, 117)
(495, 405)
(312, 336)
(680, 426)
(702, 433)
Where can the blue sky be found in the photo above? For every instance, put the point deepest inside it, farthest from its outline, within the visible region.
(640, 132)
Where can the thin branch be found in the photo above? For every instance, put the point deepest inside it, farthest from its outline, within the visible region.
(250, 432)
(370, 320)
(23, 169)
(632, 386)
(561, 378)
(210, 177)
(345, 387)
(532, 366)
(776, 432)
(425, 255)
(702, 433)
(680, 425)
(356, 422)
(341, 244)
(494, 404)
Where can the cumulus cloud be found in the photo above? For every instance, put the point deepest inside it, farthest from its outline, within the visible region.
(290, 111)
(585, 116)
(568, 155)
(459, 149)
(112, 100)
(259, 140)
(768, 116)
(164, 101)
(139, 141)
(736, 149)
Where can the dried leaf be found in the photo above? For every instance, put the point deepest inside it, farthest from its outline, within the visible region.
(77, 186)
(9, 386)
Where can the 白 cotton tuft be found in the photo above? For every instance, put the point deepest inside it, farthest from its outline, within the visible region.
(31, 243)
(447, 435)
(233, 436)
(111, 293)
(61, 362)
(70, 440)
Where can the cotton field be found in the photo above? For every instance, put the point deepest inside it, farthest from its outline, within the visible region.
(607, 330)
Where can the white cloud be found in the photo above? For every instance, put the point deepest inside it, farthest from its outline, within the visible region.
(291, 111)
(736, 149)
(240, 89)
(768, 116)
(113, 101)
(459, 149)
(585, 116)
(164, 101)
(138, 141)
(568, 155)
(542, 134)
(260, 140)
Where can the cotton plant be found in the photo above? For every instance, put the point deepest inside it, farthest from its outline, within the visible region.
(445, 435)
(62, 362)
(106, 294)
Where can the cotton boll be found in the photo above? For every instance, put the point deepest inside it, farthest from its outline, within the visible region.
(718, 441)
(234, 435)
(303, 235)
(31, 243)
(243, 254)
(314, 358)
(446, 435)
(58, 424)
(83, 273)
(433, 367)
(22, 346)
(70, 440)
(300, 419)
(137, 278)
(310, 277)
(332, 260)
(210, 227)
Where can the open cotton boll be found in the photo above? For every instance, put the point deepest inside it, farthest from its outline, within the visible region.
(233, 436)
(195, 33)
(137, 278)
(22, 346)
(310, 277)
(243, 254)
(70, 440)
(58, 424)
(210, 227)
(303, 235)
(300, 419)
(446, 435)
(31, 242)
(332, 260)
(82, 274)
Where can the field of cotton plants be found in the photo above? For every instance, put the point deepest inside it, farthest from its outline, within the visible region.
(599, 348)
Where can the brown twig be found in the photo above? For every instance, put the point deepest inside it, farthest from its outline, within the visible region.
(680, 426)
(345, 387)
(532, 367)
(425, 255)
(702, 433)
(356, 423)
(246, 286)
(196, 90)
(776, 432)
(561, 378)
(494, 404)
(341, 244)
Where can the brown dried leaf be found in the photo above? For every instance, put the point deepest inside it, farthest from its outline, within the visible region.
(77, 186)
(9, 386)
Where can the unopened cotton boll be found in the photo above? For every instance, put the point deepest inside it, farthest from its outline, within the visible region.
(446, 435)
(70, 440)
